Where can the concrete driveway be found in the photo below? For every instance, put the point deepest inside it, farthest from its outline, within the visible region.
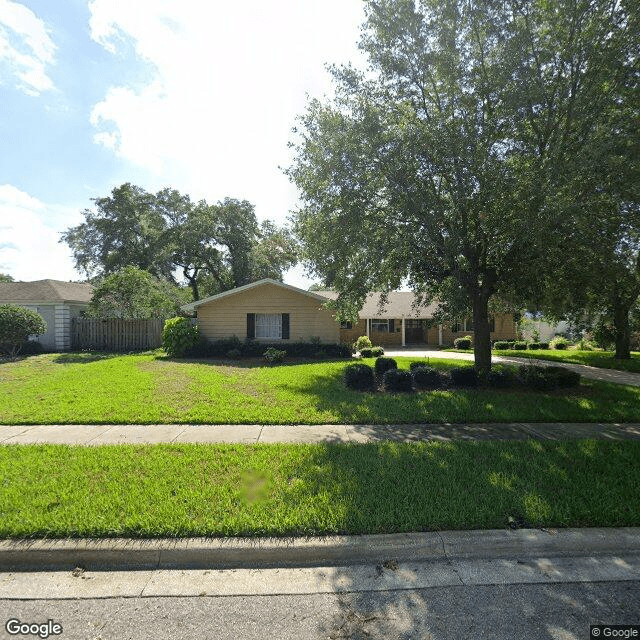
(594, 373)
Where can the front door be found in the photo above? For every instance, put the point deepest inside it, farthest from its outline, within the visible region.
(415, 332)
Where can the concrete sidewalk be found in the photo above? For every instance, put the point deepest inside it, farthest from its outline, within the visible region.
(593, 373)
(254, 433)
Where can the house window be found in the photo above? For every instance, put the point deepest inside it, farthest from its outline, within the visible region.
(492, 324)
(269, 325)
(456, 327)
(346, 325)
(468, 324)
(382, 326)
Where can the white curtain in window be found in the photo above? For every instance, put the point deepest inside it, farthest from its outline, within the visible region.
(268, 325)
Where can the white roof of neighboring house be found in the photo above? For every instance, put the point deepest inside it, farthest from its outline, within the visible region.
(45, 291)
(194, 305)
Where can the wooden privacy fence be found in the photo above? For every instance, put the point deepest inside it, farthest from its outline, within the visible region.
(114, 334)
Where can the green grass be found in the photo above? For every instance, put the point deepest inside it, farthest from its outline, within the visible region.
(603, 359)
(149, 389)
(229, 490)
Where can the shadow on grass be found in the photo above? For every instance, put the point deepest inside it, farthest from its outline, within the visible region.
(251, 363)
(474, 486)
(591, 402)
(85, 357)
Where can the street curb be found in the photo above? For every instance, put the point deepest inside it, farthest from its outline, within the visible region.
(227, 553)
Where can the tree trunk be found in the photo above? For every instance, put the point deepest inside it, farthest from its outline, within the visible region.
(482, 334)
(623, 331)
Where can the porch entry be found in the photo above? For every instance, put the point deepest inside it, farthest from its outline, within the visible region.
(415, 331)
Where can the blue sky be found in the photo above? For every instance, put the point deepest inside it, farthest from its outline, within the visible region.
(198, 96)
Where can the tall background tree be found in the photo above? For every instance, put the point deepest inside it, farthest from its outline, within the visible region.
(210, 247)
(5, 277)
(441, 164)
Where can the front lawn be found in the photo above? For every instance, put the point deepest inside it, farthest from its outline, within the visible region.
(230, 490)
(150, 389)
(604, 359)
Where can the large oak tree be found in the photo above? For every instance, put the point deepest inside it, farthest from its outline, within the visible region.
(441, 163)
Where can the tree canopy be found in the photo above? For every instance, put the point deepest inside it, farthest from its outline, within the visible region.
(213, 247)
(16, 325)
(5, 277)
(445, 162)
(133, 293)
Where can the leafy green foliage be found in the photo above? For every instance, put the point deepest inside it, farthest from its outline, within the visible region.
(133, 293)
(273, 355)
(179, 335)
(360, 377)
(548, 378)
(376, 352)
(463, 343)
(5, 277)
(503, 344)
(383, 365)
(464, 377)
(397, 380)
(215, 247)
(363, 342)
(427, 377)
(16, 325)
(464, 134)
(559, 343)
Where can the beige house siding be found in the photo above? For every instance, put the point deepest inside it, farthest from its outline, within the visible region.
(227, 317)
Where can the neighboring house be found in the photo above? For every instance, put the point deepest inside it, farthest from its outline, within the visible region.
(56, 301)
(271, 311)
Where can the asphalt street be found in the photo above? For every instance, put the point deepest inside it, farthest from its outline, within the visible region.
(555, 611)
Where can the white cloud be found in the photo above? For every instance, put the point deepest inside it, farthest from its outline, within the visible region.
(26, 49)
(230, 78)
(29, 229)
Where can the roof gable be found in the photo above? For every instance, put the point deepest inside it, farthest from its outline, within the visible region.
(194, 305)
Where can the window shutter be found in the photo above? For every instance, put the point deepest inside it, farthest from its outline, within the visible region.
(285, 326)
(392, 326)
(251, 326)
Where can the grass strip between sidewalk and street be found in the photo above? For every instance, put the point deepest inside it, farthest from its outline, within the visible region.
(284, 489)
(93, 388)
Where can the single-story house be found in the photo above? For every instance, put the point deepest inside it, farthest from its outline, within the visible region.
(56, 301)
(272, 311)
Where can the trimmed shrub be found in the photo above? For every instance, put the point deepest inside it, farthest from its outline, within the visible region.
(31, 348)
(273, 355)
(397, 380)
(464, 377)
(385, 364)
(363, 342)
(179, 335)
(427, 378)
(548, 378)
(376, 352)
(462, 343)
(543, 345)
(535, 377)
(533, 345)
(565, 378)
(502, 378)
(520, 345)
(502, 344)
(255, 349)
(559, 343)
(417, 364)
(359, 377)
(366, 352)
(16, 325)
(234, 353)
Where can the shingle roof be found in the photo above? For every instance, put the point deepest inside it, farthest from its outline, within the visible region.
(399, 304)
(45, 291)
